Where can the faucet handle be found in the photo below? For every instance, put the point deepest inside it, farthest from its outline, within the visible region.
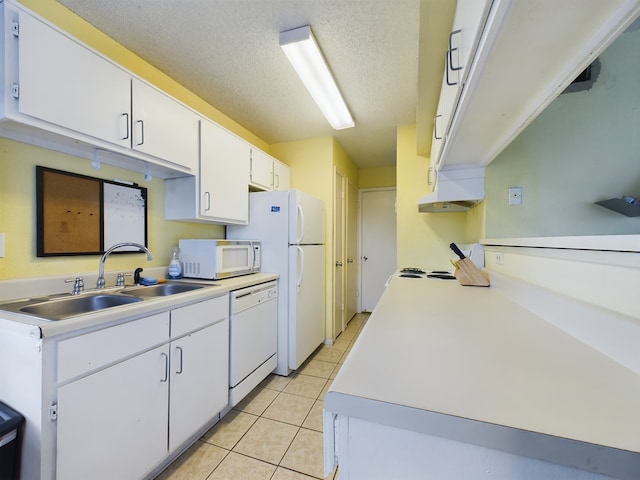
(120, 282)
(78, 285)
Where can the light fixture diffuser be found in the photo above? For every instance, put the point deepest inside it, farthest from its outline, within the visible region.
(302, 50)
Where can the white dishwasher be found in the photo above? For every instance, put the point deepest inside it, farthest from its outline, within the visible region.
(253, 338)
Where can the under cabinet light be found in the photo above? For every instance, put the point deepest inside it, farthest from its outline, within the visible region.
(302, 50)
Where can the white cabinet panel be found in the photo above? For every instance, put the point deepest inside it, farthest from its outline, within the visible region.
(199, 381)
(261, 170)
(224, 174)
(113, 424)
(220, 192)
(281, 176)
(62, 82)
(162, 127)
(267, 173)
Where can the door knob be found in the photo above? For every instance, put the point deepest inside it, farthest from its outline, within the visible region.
(365, 258)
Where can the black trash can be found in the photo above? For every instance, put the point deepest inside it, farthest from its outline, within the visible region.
(11, 426)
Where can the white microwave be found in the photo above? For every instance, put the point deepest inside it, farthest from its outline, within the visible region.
(214, 259)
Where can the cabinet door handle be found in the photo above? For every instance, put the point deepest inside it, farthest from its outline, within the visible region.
(126, 129)
(140, 123)
(207, 198)
(431, 176)
(446, 70)
(435, 128)
(277, 182)
(451, 50)
(166, 367)
(179, 350)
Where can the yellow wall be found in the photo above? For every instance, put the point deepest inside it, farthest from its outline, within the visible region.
(377, 177)
(423, 238)
(18, 216)
(312, 163)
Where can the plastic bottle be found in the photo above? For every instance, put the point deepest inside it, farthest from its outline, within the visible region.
(175, 267)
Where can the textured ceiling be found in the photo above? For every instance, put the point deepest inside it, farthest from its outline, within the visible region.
(227, 52)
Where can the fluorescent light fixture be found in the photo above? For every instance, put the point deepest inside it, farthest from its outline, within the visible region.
(303, 52)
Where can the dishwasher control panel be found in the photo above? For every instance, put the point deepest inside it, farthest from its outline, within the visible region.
(252, 296)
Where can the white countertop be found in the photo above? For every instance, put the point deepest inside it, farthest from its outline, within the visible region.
(467, 363)
(39, 327)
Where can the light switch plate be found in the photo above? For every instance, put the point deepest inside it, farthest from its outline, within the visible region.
(1, 245)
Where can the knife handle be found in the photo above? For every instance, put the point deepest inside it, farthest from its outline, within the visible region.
(457, 251)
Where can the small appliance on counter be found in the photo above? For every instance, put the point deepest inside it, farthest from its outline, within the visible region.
(215, 259)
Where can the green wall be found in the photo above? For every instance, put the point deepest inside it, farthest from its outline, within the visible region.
(583, 148)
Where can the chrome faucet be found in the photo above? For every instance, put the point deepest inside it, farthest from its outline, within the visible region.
(101, 282)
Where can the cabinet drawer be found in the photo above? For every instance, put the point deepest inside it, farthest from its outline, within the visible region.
(85, 353)
(194, 317)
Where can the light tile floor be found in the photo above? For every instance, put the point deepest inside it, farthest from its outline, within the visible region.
(275, 433)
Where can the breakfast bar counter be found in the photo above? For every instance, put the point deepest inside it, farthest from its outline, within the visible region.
(454, 382)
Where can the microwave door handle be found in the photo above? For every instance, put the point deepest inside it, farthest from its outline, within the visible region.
(300, 224)
(300, 267)
(253, 259)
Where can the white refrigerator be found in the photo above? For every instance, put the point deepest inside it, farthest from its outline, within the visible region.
(290, 225)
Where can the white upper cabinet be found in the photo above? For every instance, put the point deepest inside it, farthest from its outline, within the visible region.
(281, 175)
(224, 173)
(528, 52)
(61, 94)
(220, 191)
(267, 173)
(162, 127)
(463, 40)
(63, 83)
(261, 170)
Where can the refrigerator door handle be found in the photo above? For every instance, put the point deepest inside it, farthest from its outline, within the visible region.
(301, 271)
(300, 224)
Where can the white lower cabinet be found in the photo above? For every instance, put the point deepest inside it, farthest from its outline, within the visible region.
(199, 378)
(121, 415)
(112, 424)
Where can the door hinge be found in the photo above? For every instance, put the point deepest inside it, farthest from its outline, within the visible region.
(15, 90)
(53, 411)
(15, 29)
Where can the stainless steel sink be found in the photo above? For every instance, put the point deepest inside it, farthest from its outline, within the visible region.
(161, 290)
(77, 305)
(62, 306)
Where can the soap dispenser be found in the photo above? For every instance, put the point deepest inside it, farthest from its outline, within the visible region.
(175, 267)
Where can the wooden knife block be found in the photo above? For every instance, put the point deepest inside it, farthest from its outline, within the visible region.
(468, 274)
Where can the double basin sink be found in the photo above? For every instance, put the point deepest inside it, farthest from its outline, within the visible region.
(60, 307)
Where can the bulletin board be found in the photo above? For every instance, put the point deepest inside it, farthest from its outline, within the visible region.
(81, 215)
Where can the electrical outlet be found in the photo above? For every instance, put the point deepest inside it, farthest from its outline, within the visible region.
(499, 258)
(515, 195)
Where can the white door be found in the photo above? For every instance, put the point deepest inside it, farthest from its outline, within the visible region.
(378, 251)
(306, 302)
(351, 274)
(338, 255)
